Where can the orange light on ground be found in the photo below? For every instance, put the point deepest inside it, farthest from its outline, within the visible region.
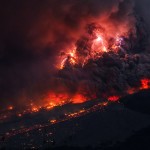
(78, 98)
(104, 104)
(53, 121)
(35, 109)
(50, 106)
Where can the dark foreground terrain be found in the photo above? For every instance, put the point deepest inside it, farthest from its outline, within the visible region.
(123, 125)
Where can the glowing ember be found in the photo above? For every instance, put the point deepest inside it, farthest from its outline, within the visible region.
(145, 84)
(53, 121)
(10, 108)
(113, 98)
(50, 106)
(105, 104)
(35, 109)
(131, 91)
(19, 115)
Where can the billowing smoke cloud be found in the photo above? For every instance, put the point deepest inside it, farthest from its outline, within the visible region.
(34, 33)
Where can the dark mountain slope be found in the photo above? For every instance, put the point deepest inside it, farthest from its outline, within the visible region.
(139, 102)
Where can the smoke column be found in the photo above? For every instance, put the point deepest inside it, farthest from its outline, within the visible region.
(36, 35)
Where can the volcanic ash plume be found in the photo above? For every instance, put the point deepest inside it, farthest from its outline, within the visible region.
(79, 50)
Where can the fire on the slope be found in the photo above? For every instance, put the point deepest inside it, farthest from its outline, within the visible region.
(145, 84)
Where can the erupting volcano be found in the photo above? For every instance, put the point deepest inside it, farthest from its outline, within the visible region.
(83, 54)
(98, 60)
(93, 54)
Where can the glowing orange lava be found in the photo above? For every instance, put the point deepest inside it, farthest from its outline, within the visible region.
(53, 121)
